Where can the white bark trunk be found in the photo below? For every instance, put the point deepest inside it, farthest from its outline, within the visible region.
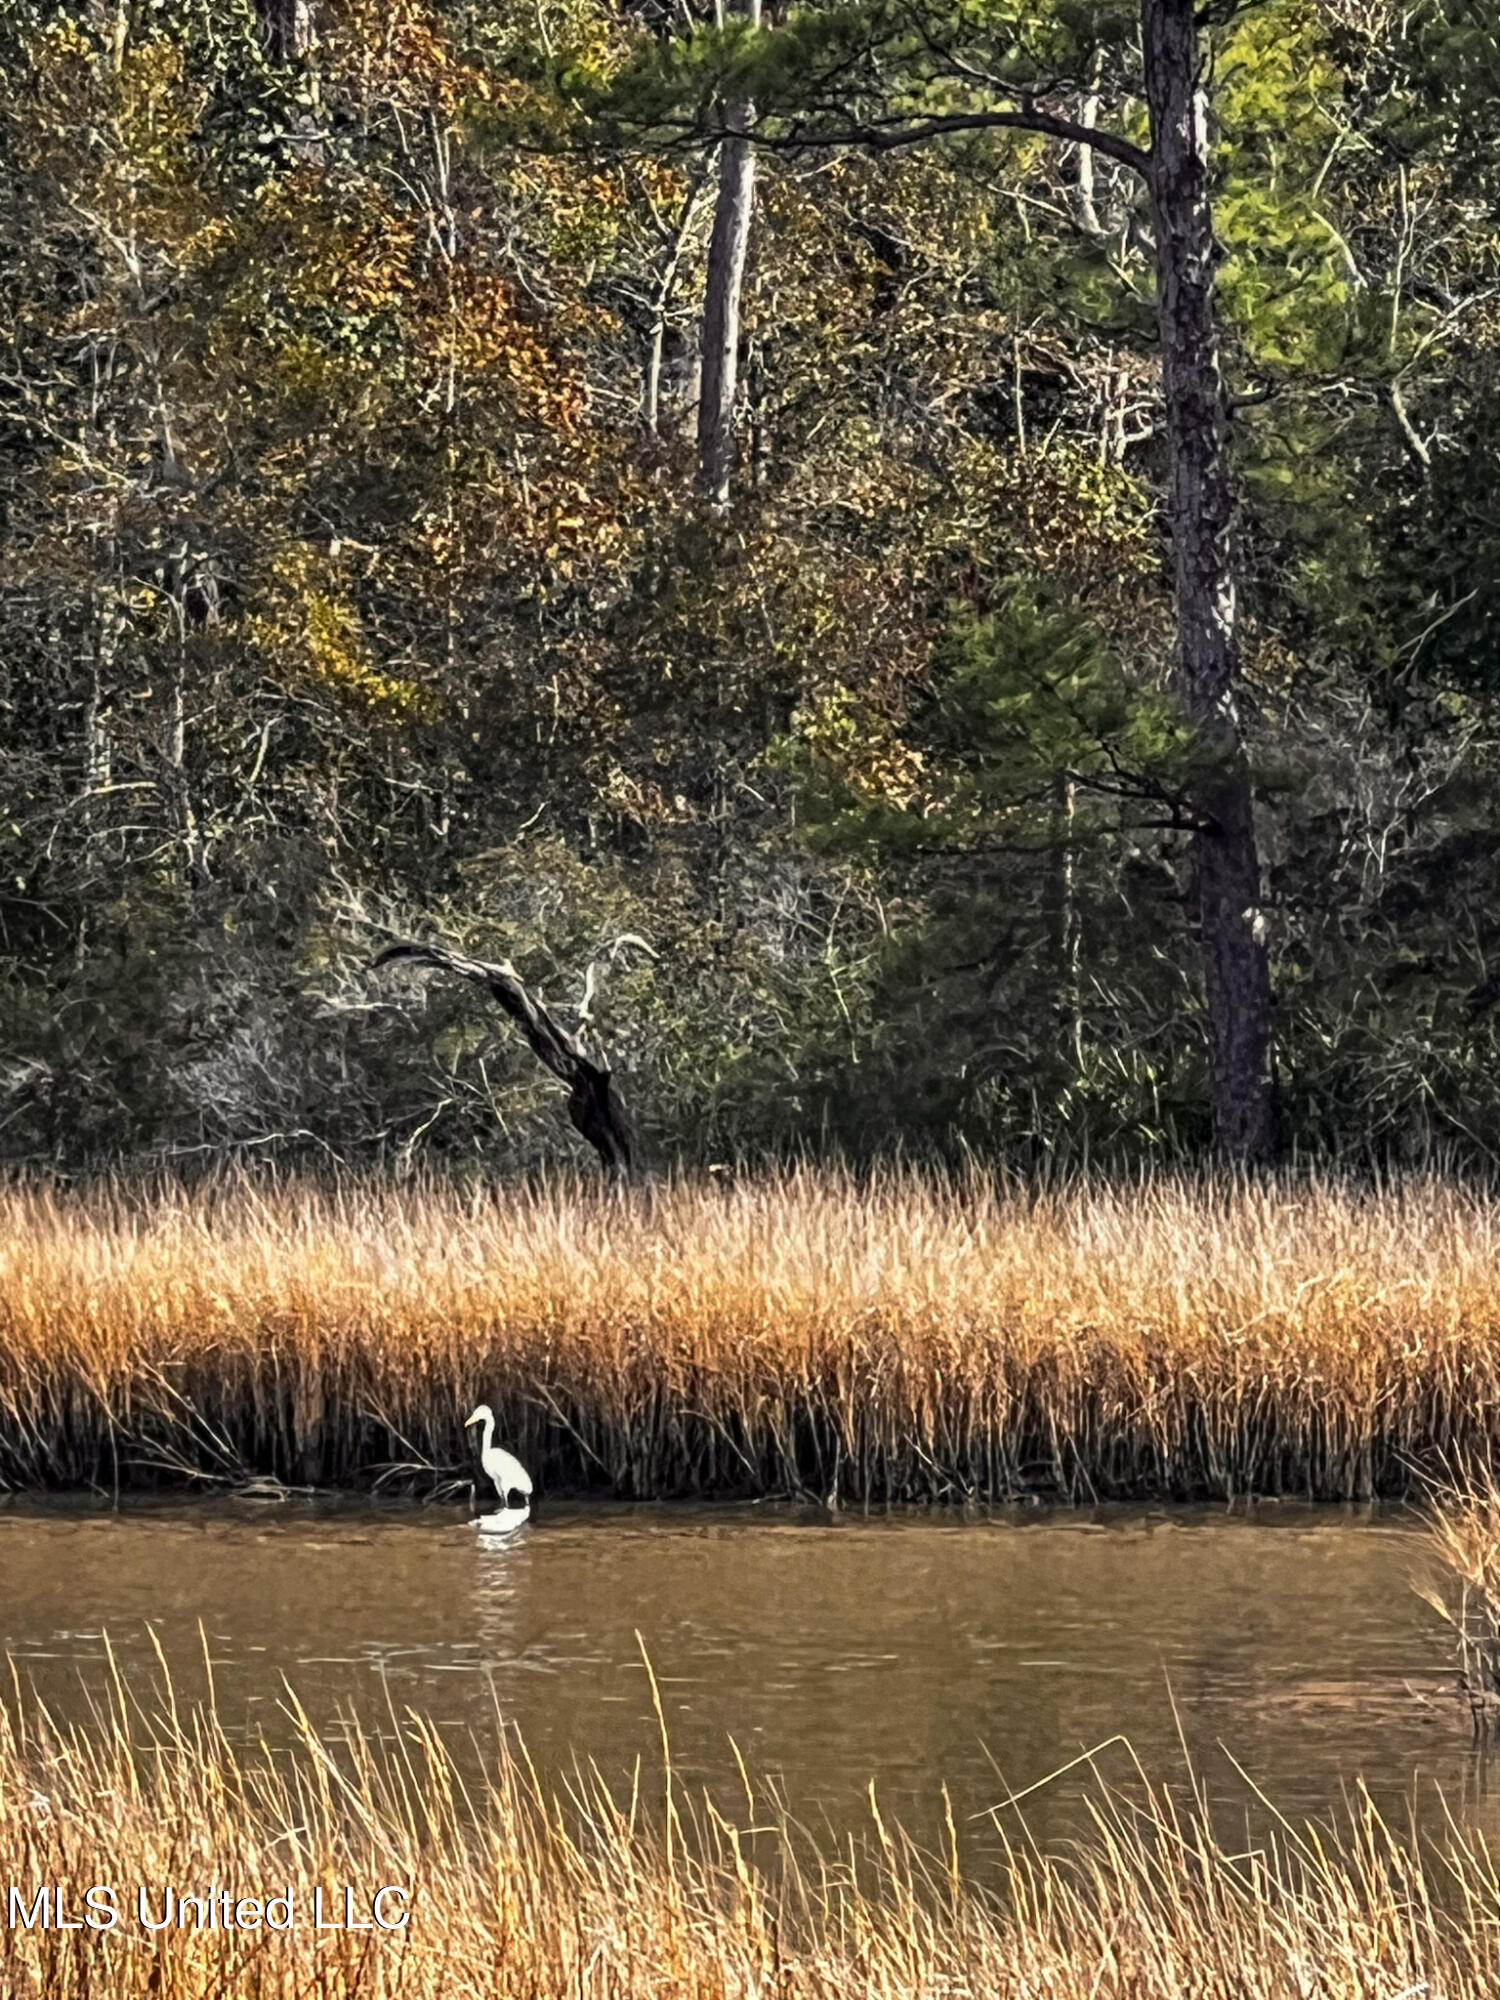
(727, 250)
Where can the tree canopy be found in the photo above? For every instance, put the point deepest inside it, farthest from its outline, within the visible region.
(357, 581)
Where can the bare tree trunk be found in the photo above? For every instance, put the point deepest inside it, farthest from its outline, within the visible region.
(661, 305)
(174, 746)
(96, 741)
(1062, 911)
(286, 28)
(651, 383)
(288, 32)
(688, 394)
(721, 301)
(1088, 117)
(1226, 864)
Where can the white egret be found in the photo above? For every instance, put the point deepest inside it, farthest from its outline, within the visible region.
(506, 1472)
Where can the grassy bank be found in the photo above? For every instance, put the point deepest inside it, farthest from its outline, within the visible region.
(512, 1896)
(891, 1338)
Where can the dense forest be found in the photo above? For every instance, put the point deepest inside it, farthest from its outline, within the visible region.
(924, 570)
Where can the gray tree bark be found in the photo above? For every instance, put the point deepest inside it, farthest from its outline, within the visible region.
(288, 33)
(720, 341)
(1226, 864)
(1062, 913)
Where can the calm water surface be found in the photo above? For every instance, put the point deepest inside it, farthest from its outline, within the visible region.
(917, 1649)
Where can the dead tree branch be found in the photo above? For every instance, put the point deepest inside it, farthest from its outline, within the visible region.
(593, 1103)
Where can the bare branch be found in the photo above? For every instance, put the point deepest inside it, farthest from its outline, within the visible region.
(593, 1105)
(885, 137)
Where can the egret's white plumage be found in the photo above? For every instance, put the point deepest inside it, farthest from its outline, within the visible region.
(505, 1471)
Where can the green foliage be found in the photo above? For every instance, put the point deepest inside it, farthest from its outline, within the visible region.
(1019, 697)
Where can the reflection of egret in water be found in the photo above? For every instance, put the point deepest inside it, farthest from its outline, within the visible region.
(498, 1528)
(504, 1553)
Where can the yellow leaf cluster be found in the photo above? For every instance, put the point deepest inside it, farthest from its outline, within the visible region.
(310, 630)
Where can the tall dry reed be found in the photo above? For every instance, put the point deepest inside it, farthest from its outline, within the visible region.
(1463, 1531)
(896, 1336)
(512, 1895)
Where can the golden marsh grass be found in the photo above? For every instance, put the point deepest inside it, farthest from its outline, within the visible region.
(1463, 1526)
(513, 1895)
(895, 1336)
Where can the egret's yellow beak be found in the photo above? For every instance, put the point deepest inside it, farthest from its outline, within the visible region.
(477, 1418)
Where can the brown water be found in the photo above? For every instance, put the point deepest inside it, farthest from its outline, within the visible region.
(917, 1649)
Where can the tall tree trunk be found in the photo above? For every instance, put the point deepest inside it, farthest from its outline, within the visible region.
(97, 749)
(721, 301)
(651, 379)
(1226, 865)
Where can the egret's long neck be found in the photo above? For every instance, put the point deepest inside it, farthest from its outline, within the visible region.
(489, 1433)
